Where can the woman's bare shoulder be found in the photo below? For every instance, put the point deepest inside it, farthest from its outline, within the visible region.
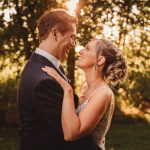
(106, 90)
(104, 93)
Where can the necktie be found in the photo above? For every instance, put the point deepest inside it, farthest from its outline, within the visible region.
(61, 69)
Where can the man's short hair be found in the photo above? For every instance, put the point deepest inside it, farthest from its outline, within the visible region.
(58, 18)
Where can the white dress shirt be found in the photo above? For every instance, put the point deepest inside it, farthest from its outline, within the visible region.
(51, 58)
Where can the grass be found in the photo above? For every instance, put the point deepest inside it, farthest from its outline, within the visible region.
(121, 136)
(8, 139)
(129, 137)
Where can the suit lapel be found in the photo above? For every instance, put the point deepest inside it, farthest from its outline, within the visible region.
(45, 62)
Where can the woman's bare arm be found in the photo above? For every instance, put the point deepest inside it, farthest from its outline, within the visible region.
(75, 126)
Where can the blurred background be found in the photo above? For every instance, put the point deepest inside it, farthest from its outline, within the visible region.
(125, 22)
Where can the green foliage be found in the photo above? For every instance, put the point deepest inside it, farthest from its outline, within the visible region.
(125, 22)
(121, 136)
(139, 91)
(8, 102)
(131, 136)
(9, 139)
(19, 32)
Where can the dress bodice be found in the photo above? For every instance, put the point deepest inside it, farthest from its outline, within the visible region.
(98, 134)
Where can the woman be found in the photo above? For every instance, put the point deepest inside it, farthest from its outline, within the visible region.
(102, 64)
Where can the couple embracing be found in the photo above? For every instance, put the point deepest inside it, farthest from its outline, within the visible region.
(51, 116)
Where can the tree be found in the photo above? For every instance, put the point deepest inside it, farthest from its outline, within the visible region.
(126, 22)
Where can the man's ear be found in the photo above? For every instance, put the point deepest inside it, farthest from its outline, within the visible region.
(54, 34)
(101, 60)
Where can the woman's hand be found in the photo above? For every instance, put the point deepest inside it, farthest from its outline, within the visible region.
(53, 73)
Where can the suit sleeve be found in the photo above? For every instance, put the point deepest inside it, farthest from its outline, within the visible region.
(47, 102)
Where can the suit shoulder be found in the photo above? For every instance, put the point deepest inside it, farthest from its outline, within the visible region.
(33, 74)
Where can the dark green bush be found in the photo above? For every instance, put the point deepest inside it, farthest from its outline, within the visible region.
(8, 102)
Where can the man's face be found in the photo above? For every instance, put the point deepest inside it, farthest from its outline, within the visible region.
(66, 42)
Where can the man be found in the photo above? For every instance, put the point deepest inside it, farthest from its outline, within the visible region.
(40, 96)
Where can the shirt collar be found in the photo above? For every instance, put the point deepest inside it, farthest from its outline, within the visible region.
(50, 57)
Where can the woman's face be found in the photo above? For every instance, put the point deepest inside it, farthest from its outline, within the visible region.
(87, 56)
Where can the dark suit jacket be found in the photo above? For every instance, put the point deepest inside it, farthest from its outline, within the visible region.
(40, 104)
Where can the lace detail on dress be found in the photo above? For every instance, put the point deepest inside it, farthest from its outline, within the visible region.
(81, 106)
(98, 134)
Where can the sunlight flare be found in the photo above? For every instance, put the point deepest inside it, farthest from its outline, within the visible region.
(72, 4)
(78, 48)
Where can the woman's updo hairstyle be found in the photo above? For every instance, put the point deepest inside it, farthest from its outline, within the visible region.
(115, 67)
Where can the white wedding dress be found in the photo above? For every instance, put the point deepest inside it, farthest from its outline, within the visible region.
(98, 134)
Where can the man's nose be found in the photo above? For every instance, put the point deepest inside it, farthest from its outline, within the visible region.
(81, 51)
